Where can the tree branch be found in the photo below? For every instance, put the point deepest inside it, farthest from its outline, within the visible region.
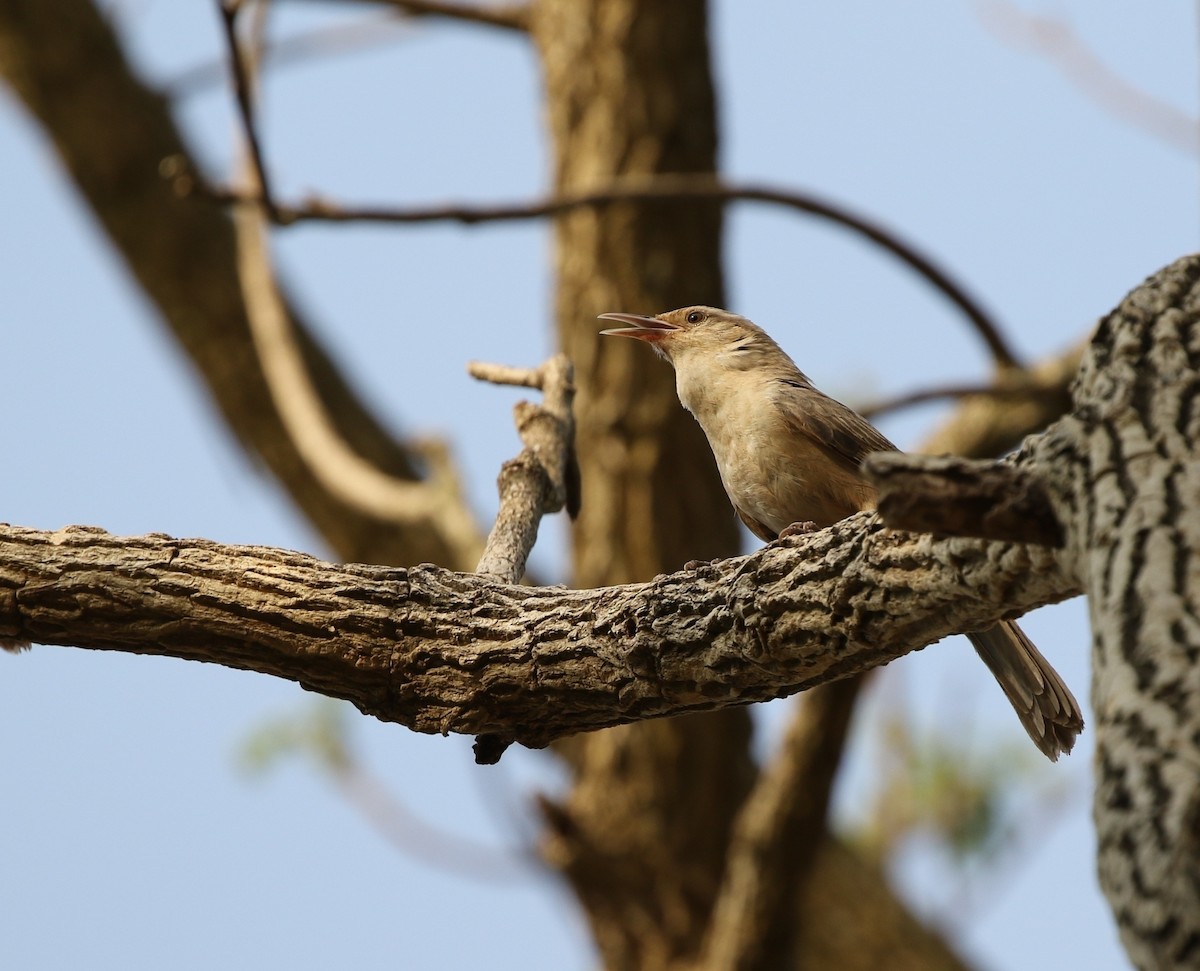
(353, 480)
(1054, 39)
(244, 93)
(666, 189)
(1120, 474)
(985, 426)
(439, 651)
(757, 919)
(1123, 472)
(509, 16)
(962, 497)
(544, 478)
(1012, 386)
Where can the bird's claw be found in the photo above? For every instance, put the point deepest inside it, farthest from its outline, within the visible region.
(798, 529)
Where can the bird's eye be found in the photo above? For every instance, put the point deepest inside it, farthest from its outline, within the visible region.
(695, 317)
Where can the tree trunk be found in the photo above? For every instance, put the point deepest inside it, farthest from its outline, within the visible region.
(1130, 489)
(644, 835)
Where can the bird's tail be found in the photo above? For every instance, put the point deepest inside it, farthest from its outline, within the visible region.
(1042, 701)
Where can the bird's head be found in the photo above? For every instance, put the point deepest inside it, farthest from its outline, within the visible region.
(692, 336)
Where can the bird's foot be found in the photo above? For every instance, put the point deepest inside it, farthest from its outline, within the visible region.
(798, 529)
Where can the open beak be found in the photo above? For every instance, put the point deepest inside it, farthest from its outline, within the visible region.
(643, 328)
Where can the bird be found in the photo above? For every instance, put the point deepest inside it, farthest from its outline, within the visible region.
(788, 453)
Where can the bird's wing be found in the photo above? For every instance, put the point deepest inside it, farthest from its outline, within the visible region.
(845, 435)
(762, 531)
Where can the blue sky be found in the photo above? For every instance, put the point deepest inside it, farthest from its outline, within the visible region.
(130, 839)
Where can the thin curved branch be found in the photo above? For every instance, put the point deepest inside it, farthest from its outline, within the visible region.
(300, 48)
(985, 426)
(345, 474)
(1018, 389)
(662, 190)
(1055, 40)
(63, 61)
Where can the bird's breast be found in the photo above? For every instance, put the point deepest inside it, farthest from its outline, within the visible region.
(773, 475)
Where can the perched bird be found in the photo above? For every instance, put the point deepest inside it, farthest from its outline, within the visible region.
(788, 453)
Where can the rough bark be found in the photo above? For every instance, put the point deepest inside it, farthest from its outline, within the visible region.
(544, 478)
(1122, 474)
(1126, 476)
(114, 135)
(440, 651)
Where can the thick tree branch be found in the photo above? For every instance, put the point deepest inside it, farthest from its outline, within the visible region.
(1123, 471)
(439, 651)
(665, 189)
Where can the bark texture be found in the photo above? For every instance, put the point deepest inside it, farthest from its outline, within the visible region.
(962, 497)
(1127, 470)
(441, 651)
(544, 478)
(1122, 474)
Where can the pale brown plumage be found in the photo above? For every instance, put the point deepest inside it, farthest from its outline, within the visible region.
(788, 453)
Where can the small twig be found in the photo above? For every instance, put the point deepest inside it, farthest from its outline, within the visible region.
(660, 190)
(951, 496)
(244, 92)
(1019, 388)
(517, 377)
(539, 480)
